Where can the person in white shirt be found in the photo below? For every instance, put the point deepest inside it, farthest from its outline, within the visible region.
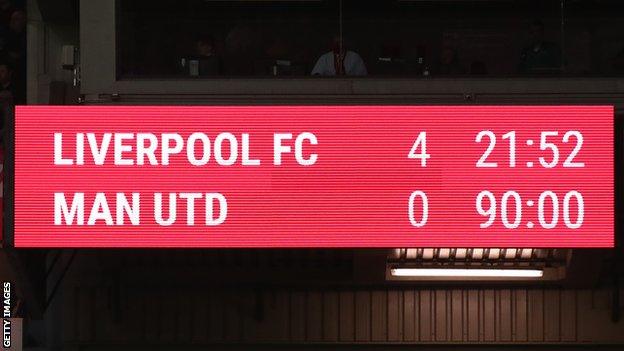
(339, 62)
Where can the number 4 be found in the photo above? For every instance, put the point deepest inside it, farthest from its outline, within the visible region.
(423, 155)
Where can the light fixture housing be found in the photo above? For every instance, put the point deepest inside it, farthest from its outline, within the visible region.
(465, 273)
(497, 265)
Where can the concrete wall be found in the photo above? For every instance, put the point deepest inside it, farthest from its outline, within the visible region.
(44, 49)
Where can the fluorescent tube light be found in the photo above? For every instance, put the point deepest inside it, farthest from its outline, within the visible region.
(465, 272)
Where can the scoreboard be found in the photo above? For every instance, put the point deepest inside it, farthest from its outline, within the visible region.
(314, 176)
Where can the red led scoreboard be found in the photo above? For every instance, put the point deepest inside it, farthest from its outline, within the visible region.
(304, 176)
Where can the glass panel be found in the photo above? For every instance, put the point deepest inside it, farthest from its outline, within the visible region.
(208, 38)
(379, 38)
(594, 37)
(455, 38)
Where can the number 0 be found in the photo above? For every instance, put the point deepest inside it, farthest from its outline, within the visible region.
(425, 208)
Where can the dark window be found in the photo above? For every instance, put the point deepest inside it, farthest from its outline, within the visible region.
(392, 38)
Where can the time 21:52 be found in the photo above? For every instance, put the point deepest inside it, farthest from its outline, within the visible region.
(549, 157)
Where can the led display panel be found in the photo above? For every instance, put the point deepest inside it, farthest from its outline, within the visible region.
(314, 176)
